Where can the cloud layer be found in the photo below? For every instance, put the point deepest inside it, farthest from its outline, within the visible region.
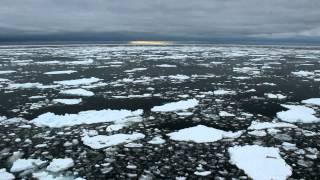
(202, 18)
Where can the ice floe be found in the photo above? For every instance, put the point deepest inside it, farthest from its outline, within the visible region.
(221, 92)
(4, 175)
(85, 117)
(255, 125)
(260, 163)
(202, 134)
(275, 96)
(78, 82)
(176, 106)
(77, 92)
(67, 101)
(157, 140)
(298, 113)
(103, 141)
(7, 72)
(58, 165)
(26, 164)
(312, 101)
(60, 72)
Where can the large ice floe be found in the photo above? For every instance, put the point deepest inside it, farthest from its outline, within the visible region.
(77, 92)
(26, 164)
(103, 141)
(312, 101)
(260, 163)
(4, 175)
(202, 134)
(176, 106)
(78, 82)
(85, 117)
(296, 113)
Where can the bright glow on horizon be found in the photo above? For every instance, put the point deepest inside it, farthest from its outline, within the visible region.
(151, 42)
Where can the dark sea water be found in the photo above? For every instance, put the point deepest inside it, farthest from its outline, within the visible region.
(185, 72)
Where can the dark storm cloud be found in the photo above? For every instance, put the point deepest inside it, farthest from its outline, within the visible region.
(201, 18)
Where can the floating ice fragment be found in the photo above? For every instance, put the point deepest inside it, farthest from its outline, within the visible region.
(58, 165)
(176, 106)
(103, 141)
(85, 117)
(202, 134)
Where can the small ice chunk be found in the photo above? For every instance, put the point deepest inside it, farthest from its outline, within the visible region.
(202, 173)
(58, 165)
(275, 96)
(157, 140)
(176, 106)
(115, 127)
(225, 114)
(261, 163)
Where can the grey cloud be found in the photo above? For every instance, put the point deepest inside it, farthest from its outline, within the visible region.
(206, 18)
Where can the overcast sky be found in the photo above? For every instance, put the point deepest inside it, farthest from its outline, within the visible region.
(183, 18)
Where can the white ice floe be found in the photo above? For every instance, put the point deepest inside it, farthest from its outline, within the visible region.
(7, 72)
(60, 72)
(259, 133)
(67, 101)
(312, 101)
(275, 96)
(255, 125)
(179, 77)
(103, 141)
(86, 117)
(166, 65)
(26, 164)
(4, 175)
(83, 62)
(114, 127)
(202, 173)
(298, 114)
(225, 114)
(45, 175)
(202, 134)
(303, 73)
(157, 140)
(223, 92)
(260, 163)
(77, 92)
(58, 165)
(176, 106)
(135, 70)
(78, 82)
(24, 85)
